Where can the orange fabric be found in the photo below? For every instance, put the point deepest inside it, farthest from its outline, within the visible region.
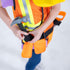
(27, 50)
(17, 11)
(61, 13)
(37, 12)
(40, 46)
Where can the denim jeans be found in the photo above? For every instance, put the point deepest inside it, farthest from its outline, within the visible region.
(33, 61)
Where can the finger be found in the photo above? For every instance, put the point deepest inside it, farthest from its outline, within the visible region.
(25, 33)
(22, 32)
(23, 38)
(20, 37)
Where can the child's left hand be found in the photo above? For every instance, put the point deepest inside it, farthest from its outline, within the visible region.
(37, 34)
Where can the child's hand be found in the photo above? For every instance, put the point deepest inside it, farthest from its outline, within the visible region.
(20, 34)
(37, 34)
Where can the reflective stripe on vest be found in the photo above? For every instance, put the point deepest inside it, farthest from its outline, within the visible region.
(27, 11)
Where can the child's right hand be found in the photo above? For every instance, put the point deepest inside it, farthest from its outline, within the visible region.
(20, 34)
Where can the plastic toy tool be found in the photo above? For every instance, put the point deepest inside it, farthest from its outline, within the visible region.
(18, 21)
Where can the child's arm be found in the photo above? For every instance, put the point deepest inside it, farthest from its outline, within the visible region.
(52, 15)
(6, 18)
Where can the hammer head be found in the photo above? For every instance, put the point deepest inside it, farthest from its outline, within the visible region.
(18, 20)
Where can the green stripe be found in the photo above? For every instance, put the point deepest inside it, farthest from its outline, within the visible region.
(26, 10)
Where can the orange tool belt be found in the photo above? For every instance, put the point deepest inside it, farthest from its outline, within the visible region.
(40, 45)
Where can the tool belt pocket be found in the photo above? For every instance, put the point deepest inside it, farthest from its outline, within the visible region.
(40, 46)
(27, 50)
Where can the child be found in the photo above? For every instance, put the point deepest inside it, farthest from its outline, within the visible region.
(36, 58)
